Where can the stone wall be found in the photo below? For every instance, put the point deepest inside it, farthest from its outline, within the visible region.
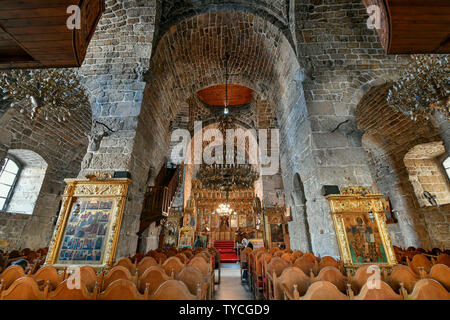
(113, 71)
(390, 139)
(61, 146)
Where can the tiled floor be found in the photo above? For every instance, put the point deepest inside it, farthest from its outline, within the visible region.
(230, 287)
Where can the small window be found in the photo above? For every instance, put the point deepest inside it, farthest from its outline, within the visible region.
(447, 166)
(8, 178)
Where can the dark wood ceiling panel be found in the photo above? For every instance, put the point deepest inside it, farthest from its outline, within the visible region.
(38, 28)
(237, 95)
(414, 26)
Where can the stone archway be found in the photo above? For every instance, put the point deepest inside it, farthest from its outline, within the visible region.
(388, 138)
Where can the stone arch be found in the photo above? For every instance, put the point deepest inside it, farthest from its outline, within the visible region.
(388, 137)
(179, 70)
(280, 13)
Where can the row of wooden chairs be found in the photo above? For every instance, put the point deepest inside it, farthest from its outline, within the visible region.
(49, 281)
(402, 278)
(26, 288)
(264, 266)
(425, 289)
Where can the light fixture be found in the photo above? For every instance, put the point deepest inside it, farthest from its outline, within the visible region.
(424, 88)
(224, 209)
(47, 92)
(227, 57)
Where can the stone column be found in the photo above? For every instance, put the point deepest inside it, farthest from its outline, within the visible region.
(443, 126)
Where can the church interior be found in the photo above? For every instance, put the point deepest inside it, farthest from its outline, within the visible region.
(224, 150)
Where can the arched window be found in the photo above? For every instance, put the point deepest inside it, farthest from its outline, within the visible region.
(8, 178)
(446, 164)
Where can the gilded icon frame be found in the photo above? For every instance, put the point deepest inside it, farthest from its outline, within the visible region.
(366, 204)
(114, 190)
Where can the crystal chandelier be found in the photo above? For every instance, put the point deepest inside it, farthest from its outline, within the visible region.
(45, 92)
(424, 88)
(224, 209)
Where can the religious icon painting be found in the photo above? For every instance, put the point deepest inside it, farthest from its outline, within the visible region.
(89, 223)
(364, 240)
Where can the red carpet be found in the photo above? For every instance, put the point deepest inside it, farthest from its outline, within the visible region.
(227, 252)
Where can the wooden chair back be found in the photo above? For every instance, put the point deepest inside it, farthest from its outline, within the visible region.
(194, 280)
(418, 262)
(306, 264)
(332, 275)
(273, 250)
(173, 265)
(172, 290)
(144, 264)
(121, 289)
(360, 278)
(297, 254)
(63, 292)
(154, 276)
(89, 277)
(24, 288)
(328, 261)
(323, 290)
(441, 273)
(182, 257)
(384, 292)
(48, 273)
(402, 274)
(443, 258)
(203, 266)
(171, 252)
(288, 257)
(160, 257)
(11, 274)
(116, 273)
(126, 263)
(276, 265)
(428, 289)
(187, 252)
(283, 286)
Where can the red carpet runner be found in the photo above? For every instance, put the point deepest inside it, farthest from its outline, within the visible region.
(227, 251)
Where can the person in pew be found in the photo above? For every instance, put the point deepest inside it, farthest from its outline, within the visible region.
(23, 263)
(198, 243)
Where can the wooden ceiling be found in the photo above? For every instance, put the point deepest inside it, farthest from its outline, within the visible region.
(34, 33)
(414, 26)
(237, 95)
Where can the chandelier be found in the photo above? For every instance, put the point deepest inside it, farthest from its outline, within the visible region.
(47, 92)
(227, 177)
(224, 209)
(424, 88)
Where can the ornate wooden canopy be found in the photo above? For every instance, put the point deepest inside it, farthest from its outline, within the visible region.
(34, 33)
(414, 26)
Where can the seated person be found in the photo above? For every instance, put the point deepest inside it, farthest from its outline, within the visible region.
(22, 262)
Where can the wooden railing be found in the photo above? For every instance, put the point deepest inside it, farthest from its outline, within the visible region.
(159, 199)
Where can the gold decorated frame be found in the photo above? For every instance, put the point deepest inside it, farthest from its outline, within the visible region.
(90, 189)
(351, 204)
